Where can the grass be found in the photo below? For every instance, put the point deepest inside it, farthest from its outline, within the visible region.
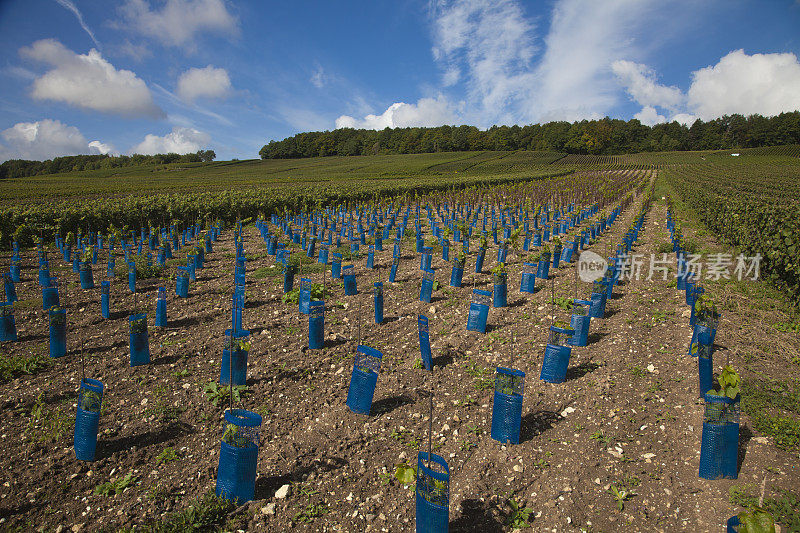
(162, 408)
(143, 270)
(482, 378)
(48, 425)
(784, 508)
(266, 272)
(774, 410)
(13, 365)
(203, 514)
(117, 486)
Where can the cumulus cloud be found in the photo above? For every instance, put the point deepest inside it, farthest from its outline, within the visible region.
(89, 82)
(46, 139)
(427, 112)
(767, 84)
(574, 78)
(640, 83)
(179, 22)
(764, 84)
(208, 82)
(649, 116)
(591, 53)
(686, 119)
(100, 147)
(180, 141)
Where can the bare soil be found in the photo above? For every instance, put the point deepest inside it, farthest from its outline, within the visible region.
(628, 415)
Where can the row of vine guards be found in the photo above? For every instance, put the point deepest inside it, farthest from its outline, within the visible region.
(720, 439)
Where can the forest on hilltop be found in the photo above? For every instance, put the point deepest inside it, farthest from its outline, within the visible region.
(599, 137)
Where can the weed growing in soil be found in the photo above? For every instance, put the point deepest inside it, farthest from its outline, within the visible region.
(293, 296)
(785, 508)
(788, 327)
(110, 488)
(312, 509)
(621, 495)
(168, 455)
(481, 377)
(564, 303)
(464, 403)
(664, 248)
(266, 272)
(47, 425)
(143, 270)
(310, 512)
(600, 437)
(160, 492)
(12, 365)
(201, 515)
(162, 408)
(519, 515)
(405, 436)
(466, 445)
(385, 478)
(774, 410)
(218, 395)
(638, 371)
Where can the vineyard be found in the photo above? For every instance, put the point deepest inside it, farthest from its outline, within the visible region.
(391, 343)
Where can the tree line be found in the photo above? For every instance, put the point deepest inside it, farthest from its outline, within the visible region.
(598, 137)
(20, 168)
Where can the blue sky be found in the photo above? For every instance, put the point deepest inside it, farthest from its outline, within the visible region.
(148, 76)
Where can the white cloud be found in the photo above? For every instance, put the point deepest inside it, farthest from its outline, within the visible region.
(179, 22)
(492, 48)
(208, 82)
(574, 79)
(88, 81)
(180, 141)
(764, 84)
(137, 52)
(686, 119)
(767, 84)
(640, 83)
(318, 78)
(102, 148)
(20, 72)
(46, 139)
(494, 42)
(68, 4)
(451, 76)
(427, 112)
(649, 116)
(189, 106)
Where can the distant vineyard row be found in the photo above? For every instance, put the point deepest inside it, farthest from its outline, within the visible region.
(753, 206)
(160, 209)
